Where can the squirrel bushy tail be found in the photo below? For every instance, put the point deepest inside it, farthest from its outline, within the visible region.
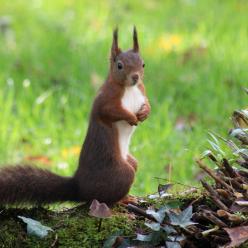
(25, 184)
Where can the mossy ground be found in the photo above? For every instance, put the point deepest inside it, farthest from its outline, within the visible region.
(73, 228)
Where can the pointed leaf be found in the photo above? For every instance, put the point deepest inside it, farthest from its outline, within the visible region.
(216, 147)
(177, 238)
(111, 240)
(205, 154)
(34, 227)
(158, 216)
(183, 219)
(153, 225)
(144, 238)
(169, 229)
(170, 244)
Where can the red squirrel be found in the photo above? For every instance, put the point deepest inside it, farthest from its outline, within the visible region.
(106, 169)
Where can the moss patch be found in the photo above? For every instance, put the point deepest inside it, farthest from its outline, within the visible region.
(72, 228)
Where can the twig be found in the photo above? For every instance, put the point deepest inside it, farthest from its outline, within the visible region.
(234, 183)
(244, 173)
(229, 169)
(55, 242)
(139, 211)
(211, 173)
(176, 182)
(219, 239)
(224, 194)
(211, 217)
(242, 163)
(206, 233)
(231, 217)
(214, 196)
(237, 114)
(242, 203)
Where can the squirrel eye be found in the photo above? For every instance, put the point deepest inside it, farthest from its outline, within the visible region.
(119, 65)
(143, 65)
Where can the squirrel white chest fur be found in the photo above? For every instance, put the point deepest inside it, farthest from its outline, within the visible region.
(132, 101)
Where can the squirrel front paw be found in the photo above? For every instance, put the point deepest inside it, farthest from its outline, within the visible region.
(143, 112)
(133, 120)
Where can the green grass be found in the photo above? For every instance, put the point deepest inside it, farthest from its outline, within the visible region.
(196, 64)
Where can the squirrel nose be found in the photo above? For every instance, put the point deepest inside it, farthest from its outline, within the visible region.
(135, 77)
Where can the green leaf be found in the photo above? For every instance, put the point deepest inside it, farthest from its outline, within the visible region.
(144, 238)
(214, 138)
(125, 244)
(170, 244)
(111, 240)
(216, 147)
(153, 225)
(169, 229)
(35, 228)
(164, 209)
(206, 154)
(158, 216)
(183, 219)
(177, 238)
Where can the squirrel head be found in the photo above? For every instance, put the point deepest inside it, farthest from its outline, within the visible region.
(126, 68)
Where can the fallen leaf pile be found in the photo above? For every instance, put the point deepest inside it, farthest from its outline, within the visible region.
(218, 217)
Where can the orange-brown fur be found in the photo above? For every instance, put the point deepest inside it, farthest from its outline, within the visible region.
(102, 174)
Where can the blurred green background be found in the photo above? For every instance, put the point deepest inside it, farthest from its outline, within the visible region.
(54, 55)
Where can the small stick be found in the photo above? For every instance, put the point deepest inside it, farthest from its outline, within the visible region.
(140, 211)
(196, 200)
(211, 217)
(214, 196)
(239, 115)
(242, 163)
(55, 242)
(242, 203)
(244, 173)
(206, 233)
(231, 217)
(223, 193)
(219, 239)
(211, 173)
(234, 183)
(176, 182)
(189, 191)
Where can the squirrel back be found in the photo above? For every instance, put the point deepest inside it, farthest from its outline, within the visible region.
(106, 169)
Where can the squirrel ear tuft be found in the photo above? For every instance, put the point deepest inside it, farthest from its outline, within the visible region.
(115, 50)
(135, 40)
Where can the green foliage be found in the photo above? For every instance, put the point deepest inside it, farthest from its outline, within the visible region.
(54, 55)
(35, 228)
(183, 219)
(165, 230)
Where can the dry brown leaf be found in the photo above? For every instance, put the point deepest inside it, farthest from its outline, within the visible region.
(39, 159)
(238, 235)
